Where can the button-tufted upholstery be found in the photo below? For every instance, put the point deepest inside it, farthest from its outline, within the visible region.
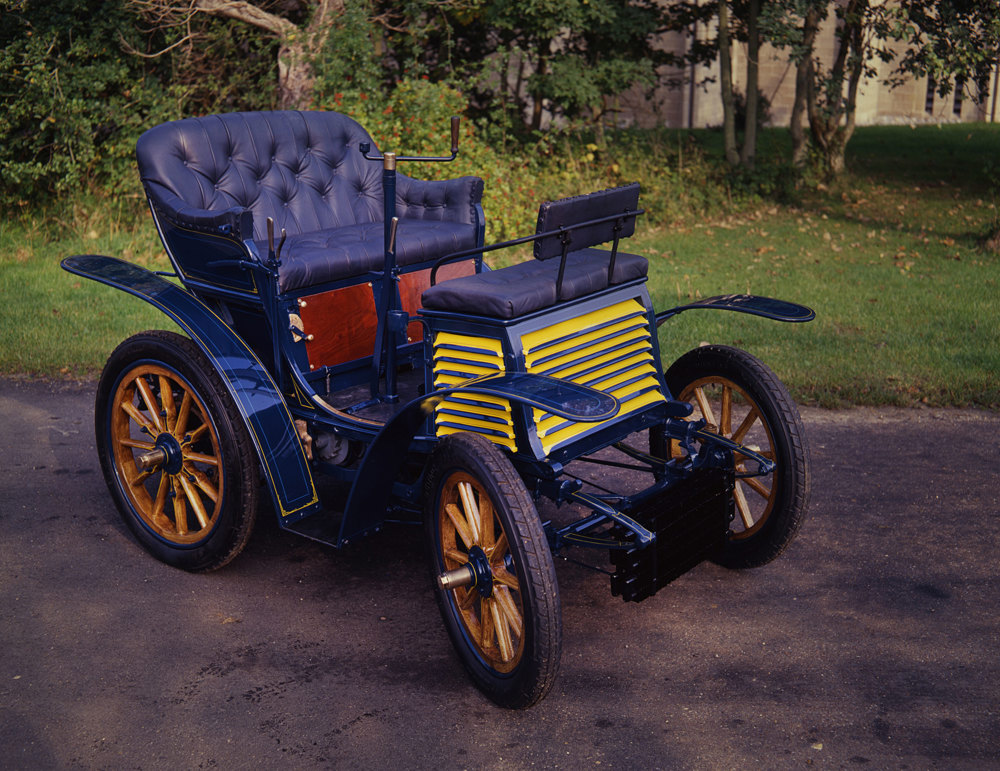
(304, 170)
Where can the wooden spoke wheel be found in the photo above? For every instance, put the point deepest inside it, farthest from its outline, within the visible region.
(742, 400)
(494, 578)
(174, 452)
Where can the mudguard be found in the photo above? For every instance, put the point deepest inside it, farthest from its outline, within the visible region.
(248, 382)
(768, 307)
(370, 495)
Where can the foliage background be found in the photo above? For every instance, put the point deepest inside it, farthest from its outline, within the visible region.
(895, 255)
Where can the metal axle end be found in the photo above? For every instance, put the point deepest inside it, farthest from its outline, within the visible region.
(454, 579)
(152, 459)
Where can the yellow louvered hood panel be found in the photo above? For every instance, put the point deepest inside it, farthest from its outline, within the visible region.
(609, 349)
(458, 358)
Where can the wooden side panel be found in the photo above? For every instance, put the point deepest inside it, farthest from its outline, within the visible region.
(412, 285)
(342, 323)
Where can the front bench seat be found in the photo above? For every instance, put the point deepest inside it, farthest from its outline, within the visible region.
(226, 174)
(567, 229)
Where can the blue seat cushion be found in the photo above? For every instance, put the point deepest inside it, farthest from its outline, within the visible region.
(530, 286)
(314, 258)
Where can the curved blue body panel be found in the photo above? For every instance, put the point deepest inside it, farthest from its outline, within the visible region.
(250, 386)
(370, 495)
(767, 307)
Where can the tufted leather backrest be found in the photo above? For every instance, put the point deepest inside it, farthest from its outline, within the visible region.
(301, 168)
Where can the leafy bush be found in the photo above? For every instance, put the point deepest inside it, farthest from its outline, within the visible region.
(74, 102)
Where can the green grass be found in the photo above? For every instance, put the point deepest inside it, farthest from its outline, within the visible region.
(57, 325)
(891, 257)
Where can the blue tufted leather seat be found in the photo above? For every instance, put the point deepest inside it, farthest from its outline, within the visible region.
(567, 228)
(226, 174)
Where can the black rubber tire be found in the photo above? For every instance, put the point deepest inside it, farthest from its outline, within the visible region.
(225, 457)
(529, 674)
(784, 507)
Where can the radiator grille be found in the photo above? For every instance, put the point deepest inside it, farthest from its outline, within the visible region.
(609, 349)
(458, 358)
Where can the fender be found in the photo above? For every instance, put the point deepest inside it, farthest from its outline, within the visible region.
(247, 380)
(768, 307)
(370, 494)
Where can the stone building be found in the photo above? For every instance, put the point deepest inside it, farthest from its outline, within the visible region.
(689, 102)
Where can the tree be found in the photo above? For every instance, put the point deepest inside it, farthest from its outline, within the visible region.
(301, 33)
(73, 102)
(738, 21)
(569, 57)
(950, 41)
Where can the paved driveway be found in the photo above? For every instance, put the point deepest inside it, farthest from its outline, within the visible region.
(874, 642)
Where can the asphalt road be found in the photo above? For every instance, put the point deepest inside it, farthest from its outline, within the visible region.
(872, 643)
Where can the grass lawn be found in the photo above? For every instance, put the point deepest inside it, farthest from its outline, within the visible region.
(890, 257)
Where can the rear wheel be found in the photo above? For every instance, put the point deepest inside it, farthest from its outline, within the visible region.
(175, 453)
(743, 400)
(494, 579)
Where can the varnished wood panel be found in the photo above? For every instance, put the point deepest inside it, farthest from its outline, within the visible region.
(412, 285)
(342, 323)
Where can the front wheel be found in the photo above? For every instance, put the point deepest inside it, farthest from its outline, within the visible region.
(175, 453)
(494, 579)
(743, 400)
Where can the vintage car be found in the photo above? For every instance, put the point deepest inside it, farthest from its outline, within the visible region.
(340, 320)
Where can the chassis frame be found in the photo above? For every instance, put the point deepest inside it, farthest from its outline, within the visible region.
(252, 336)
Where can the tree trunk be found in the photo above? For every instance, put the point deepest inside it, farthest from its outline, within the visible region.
(726, 81)
(805, 75)
(833, 125)
(295, 77)
(298, 45)
(749, 151)
(536, 98)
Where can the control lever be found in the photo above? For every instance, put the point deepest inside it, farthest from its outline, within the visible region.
(393, 225)
(272, 255)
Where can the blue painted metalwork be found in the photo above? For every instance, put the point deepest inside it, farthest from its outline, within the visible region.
(251, 388)
(370, 496)
(768, 307)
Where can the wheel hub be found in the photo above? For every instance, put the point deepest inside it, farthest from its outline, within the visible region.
(166, 454)
(476, 573)
(480, 565)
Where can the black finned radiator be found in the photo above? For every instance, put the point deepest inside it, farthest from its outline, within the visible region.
(690, 520)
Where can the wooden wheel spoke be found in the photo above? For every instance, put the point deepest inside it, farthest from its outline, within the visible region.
(180, 426)
(456, 556)
(757, 486)
(704, 406)
(194, 499)
(167, 400)
(203, 483)
(468, 600)
(486, 629)
(131, 410)
(197, 433)
(200, 457)
(726, 419)
(161, 496)
(748, 421)
(741, 505)
(140, 477)
(487, 525)
(460, 524)
(137, 444)
(499, 549)
(150, 401)
(471, 509)
(504, 578)
(510, 610)
(502, 630)
(180, 507)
